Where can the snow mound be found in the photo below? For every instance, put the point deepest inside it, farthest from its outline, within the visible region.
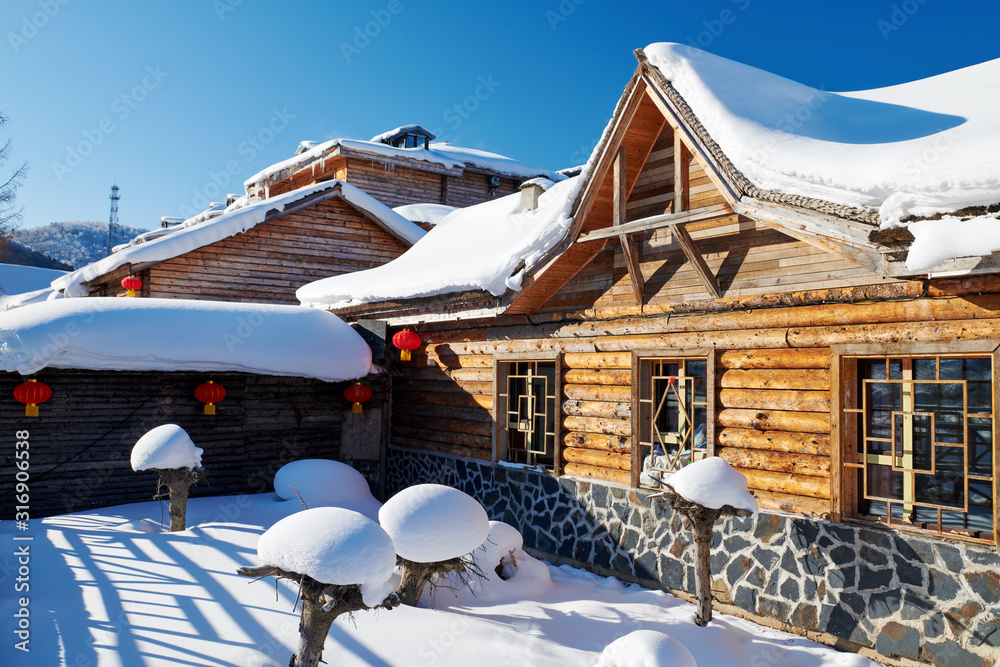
(486, 247)
(333, 546)
(713, 483)
(102, 333)
(500, 550)
(166, 447)
(431, 214)
(431, 522)
(326, 483)
(646, 648)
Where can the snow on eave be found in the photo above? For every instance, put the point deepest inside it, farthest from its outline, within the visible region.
(107, 333)
(486, 248)
(186, 239)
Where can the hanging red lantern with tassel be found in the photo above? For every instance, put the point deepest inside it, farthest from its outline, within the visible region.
(210, 393)
(406, 340)
(357, 394)
(32, 393)
(131, 284)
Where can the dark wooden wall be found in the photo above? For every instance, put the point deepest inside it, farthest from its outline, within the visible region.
(82, 440)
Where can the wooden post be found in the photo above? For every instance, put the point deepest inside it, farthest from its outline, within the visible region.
(179, 482)
(702, 519)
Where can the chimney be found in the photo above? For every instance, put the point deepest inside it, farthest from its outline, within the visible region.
(531, 191)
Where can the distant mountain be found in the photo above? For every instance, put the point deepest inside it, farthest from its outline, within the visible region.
(12, 252)
(76, 243)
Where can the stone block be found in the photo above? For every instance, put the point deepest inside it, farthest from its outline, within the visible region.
(898, 641)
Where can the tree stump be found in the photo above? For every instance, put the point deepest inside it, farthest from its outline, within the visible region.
(321, 605)
(416, 576)
(178, 481)
(702, 520)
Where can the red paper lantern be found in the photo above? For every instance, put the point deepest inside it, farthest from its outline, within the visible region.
(406, 340)
(31, 393)
(357, 394)
(131, 284)
(210, 394)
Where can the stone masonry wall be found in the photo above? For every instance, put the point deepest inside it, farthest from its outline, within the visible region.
(901, 594)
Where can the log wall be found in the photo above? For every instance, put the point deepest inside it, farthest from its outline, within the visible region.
(82, 439)
(773, 379)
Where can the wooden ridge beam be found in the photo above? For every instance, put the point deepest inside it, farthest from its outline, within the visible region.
(659, 222)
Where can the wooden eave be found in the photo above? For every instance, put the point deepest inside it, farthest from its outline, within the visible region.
(648, 102)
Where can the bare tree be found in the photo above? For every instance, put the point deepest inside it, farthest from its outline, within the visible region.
(10, 214)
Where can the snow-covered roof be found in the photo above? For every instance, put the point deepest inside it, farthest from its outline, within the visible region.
(17, 279)
(201, 231)
(442, 154)
(488, 246)
(430, 214)
(106, 333)
(914, 149)
(402, 129)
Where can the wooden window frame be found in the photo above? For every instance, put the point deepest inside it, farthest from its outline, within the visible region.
(681, 354)
(843, 379)
(500, 427)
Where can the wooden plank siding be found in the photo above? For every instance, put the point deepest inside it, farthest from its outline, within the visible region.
(774, 397)
(394, 184)
(267, 263)
(82, 440)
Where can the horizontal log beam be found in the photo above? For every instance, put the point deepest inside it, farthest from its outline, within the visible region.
(607, 409)
(792, 504)
(757, 459)
(598, 360)
(658, 222)
(796, 485)
(776, 420)
(815, 444)
(593, 472)
(775, 399)
(797, 358)
(592, 392)
(456, 399)
(597, 458)
(598, 425)
(801, 379)
(621, 444)
(620, 377)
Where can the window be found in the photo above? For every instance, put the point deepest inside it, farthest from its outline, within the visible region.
(918, 442)
(674, 415)
(528, 412)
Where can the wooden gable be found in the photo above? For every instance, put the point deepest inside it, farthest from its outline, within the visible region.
(267, 263)
(659, 223)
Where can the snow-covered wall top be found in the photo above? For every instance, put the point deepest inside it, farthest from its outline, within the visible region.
(17, 279)
(474, 248)
(197, 233)
(917, 148)
(105, 333)
(441, 153)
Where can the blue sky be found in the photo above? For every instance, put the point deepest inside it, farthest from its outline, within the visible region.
(164, 96)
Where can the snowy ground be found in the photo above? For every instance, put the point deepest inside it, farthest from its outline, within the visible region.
(110, 588)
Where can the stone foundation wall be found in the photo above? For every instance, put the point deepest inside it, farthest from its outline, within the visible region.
(901, 594)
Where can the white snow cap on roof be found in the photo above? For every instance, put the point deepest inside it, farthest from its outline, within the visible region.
(440, 153)
(333, 546)
(201, 231)
(165, 447)
(713, 483)
(430, 214)
(916, 148)
(378, 138)
(105, 333)
(476, 248)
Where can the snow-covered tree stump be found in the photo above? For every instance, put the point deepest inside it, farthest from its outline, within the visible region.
(179, 482)
(435, 529)
(342, 561)
(702, 492)
(169, 451)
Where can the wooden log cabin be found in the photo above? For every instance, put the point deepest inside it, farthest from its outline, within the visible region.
(687, 313)
(399, 167)
(258, 253)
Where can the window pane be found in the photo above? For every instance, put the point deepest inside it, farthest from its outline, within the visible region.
(883, 482)
(980, 446)
(925, 369)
